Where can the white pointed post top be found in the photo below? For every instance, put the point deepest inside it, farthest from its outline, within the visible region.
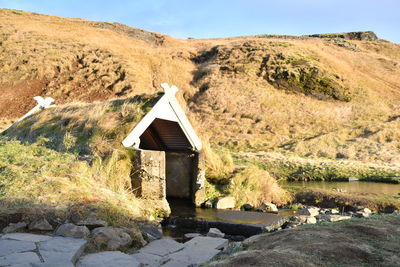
(169, 90)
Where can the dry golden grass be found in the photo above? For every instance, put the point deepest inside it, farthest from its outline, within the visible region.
(230, 101)
(256, 186)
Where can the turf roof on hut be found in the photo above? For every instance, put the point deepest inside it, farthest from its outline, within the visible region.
(84, 128)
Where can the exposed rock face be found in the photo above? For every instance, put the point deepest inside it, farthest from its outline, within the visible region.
(215, 232)
(295, 73)
(112, 237)
(361, 36)
(41, 225)
(72, 230)
(225, 203)
(15, 227)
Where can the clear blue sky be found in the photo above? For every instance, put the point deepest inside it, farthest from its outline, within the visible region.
(222, 18)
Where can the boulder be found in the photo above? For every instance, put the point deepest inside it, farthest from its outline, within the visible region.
(208, 204)
(335, 211)
(311, 220)
(247, 207)
(151, 232)
(215, 232)
(365, 212)
(310, 211)
(41, 225)
(226, 202)
(113, 237)
(137, 237)
(15, 227)
(268, 207)
(91, 224)
(72, 230)
(307, 219)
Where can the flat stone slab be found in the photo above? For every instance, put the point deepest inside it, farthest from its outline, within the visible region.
(189, 255)
(61, 249)
(20, 259)
(108, 259)
(147, 259)
(26, 237)
(8, 247)
(206, 242)
(162, 247)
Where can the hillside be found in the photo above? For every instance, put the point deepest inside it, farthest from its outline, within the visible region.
(333, 96)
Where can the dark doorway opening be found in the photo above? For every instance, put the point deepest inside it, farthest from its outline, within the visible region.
(180, 160)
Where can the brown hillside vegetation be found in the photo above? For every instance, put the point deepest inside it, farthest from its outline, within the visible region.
(326, 97)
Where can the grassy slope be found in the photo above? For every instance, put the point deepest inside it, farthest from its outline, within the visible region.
(37, 181)
(234, 87)
(306, 97)
(356, 242)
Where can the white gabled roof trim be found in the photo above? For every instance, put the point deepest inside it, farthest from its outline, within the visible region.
(167, 108)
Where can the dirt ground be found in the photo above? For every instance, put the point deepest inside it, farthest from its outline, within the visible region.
(357, 242)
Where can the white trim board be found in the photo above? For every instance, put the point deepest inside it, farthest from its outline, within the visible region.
(167, 108)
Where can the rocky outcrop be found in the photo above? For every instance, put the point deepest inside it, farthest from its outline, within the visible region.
(361, 36)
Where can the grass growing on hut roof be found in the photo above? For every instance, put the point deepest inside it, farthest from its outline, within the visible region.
(84, 129)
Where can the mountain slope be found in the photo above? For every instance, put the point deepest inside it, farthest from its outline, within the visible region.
(333, 96)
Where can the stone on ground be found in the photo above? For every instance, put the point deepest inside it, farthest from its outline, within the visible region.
(20, 259)
(108, 259)
(334, 211)
(205, 242)
(311, 211)
(247, 207)
(191, 235)
(61, 250)
(365, 212)
(91, 224)
(8, 247)
(215, 232)
(15, 227)
(147, 259)
(225, 202)
(268, 207)
(333, 218)
(72, 230)
(26, 237)
(41, 225)
(113, 237)
(151, 231)
(162, 247)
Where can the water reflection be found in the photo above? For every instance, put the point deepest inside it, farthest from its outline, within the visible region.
(351, 187)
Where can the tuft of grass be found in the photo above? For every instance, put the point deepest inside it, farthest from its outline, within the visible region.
(256, 186)
(37, 181)
(218, 162)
